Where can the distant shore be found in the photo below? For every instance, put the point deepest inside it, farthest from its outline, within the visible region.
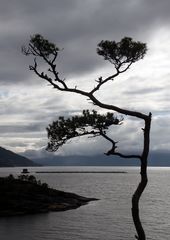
(81, 172)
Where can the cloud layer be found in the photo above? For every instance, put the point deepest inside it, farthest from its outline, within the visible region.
(28, 105)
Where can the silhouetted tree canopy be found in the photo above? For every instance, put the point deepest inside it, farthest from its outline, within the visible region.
(89, 123)
(39, 46)
(120, 53)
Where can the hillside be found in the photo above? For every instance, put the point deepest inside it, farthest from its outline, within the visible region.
(11, 159)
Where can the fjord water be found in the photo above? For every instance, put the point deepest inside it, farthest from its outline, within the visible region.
(109, 218)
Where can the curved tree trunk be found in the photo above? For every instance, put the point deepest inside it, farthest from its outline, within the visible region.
(144, 179)
(135, 207)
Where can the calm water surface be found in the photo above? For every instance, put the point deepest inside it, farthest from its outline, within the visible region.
(108, 219)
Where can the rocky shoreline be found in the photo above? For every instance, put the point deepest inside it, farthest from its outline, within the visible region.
(28, 196)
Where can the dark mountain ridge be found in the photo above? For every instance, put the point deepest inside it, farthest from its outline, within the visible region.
(11, 159)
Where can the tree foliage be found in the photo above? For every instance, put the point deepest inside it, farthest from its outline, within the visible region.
(89, 123)
(120, 53)
(39, 46)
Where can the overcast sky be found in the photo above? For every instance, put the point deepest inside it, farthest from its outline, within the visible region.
(28, 105)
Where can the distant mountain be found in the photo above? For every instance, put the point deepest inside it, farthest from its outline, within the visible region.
(10, 159)
(96, 160)
(155, 159)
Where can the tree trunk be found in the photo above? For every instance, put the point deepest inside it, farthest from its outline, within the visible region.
(144, 179)
(135, 207)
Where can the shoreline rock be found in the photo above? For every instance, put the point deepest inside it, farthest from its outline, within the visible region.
(22, 197)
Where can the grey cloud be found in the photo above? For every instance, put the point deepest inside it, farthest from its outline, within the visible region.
(22, 128)
(37, 153)
(76, 27)
(142, 91)
(16, 144)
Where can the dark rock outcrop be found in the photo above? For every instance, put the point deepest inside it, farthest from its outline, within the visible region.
(19, 197)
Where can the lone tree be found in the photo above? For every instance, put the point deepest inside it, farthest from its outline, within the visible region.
(122, 55)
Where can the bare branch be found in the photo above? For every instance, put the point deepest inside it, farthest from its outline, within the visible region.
(113, 151)
(117, 109)
(123, 155)
(101, 82)
(124, 70)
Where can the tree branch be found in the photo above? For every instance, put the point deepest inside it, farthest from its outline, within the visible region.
(87, 94)
(112, 151)
(117, 109)
(122, 155)
(101, 82)
(42, 48)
